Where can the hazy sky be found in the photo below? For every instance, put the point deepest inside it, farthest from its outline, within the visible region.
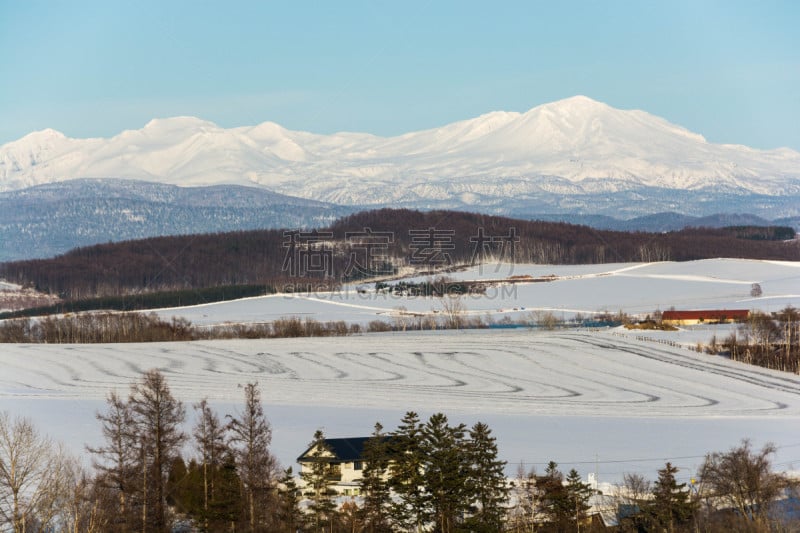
(729, 70)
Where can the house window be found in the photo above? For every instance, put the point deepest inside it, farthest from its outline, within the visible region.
(358, 465)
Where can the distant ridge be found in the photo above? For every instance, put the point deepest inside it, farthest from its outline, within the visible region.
(51, 219)
(259, 257)
(670, 221)
(567, 152)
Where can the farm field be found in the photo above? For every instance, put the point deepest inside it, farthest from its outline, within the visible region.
(635, 288)
(598, 400)
(573, 397)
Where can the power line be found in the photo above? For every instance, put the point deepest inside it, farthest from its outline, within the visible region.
(645, 460)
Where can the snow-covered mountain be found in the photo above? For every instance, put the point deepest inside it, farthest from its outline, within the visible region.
(575, 146)
(50, 219)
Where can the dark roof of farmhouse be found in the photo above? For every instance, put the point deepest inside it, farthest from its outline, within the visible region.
(346, 449)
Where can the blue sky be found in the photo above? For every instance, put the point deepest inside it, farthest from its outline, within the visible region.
(729, 70)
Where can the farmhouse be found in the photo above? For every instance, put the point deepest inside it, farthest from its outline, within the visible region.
(707, 316)
(343, 458)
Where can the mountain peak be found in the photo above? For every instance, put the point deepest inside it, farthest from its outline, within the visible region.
(574, 144)
(574, 104)
(47, 134)
(178, 123)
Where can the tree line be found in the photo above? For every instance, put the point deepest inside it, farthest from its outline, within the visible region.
(768, 340)
(346, 251)
(89, 328)
(143, 301)
(149, 475)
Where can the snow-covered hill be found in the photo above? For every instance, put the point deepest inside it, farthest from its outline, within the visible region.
(50, 219)
(575, 146)
(614, 402)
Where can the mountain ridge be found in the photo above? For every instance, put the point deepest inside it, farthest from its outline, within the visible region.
(576, 146)
(53, 218)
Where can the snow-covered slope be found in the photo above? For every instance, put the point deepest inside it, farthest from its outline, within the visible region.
(605, 401)
(573, 146)
(634, 288)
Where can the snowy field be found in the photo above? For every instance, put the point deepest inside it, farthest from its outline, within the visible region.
(639, 288)
(593, 400)
(572, 397)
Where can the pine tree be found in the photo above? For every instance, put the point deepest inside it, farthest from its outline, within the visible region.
(318, 480)
(488, 481)
(446, 473)
(671, 506)
(553, 504)
(406, 469)
(157, 417)
(578, 494)
(183, 486)
(251, 436)
(226, 508)
(290, 517)
(374, 482)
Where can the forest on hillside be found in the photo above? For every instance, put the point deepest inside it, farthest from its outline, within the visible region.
(371, 244)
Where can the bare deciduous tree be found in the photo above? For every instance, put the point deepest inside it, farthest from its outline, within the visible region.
(158, 418)
(33, 476)
(545, 319)
(522, 513)
(743, 479)
(755, 290)
(84, 510)
(634, 490)
(115, 462)
(209, 435)
(251, 436)
(453, 310)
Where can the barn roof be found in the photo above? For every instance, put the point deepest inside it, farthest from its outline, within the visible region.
(705, 314)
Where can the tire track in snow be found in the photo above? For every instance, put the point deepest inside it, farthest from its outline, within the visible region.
(750, 375)
(592, 374)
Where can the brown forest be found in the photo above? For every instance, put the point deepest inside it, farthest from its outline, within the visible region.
(374, 242)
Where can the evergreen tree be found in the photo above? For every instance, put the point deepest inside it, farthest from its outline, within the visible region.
(578, 494)
(251, 436)
(319, 479)
(488, 481)
(184, 487)
(671, 506)
(290, 517)
(374, 482)
(406, 469)
(553, 500)
(446, 473)
(226, 508)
